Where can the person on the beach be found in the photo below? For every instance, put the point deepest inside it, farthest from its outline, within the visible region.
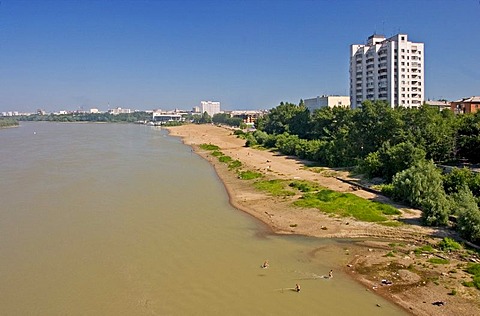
(297, 287)
(265, 264)
(330, 274)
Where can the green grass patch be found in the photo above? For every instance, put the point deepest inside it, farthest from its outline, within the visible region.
(438, 261)
(249, 175)
(209, 147)
(304, 186)
(473, 268)
(274, 187)
(217, 153)
(235, 164)
(423, 249)
(390, 254)
(347, 204)
(225, 159)
(448, 244)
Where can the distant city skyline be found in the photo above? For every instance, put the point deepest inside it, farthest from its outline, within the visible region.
(68, 55)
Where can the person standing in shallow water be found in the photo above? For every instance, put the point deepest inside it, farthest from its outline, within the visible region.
(297, 287)
(330, 274)
(265, 264)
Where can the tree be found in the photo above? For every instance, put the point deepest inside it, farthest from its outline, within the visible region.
(399, 157)
(278, 120)
(469, 137)
(432, 130)
(465, 206)
(374, 124)
(205, 118)
(421, 185)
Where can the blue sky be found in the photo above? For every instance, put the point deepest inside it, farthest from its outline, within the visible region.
(148, 54)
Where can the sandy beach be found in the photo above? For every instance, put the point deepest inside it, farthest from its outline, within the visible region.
(380, 257)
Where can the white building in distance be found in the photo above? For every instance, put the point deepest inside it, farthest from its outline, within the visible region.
(327, 100)
(390, 69)
(211, 107)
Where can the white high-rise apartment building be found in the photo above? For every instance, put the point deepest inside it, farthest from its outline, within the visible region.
(211, 107)
(390, 69)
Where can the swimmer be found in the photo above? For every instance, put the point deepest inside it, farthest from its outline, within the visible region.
(330, 274)
(297, 287)
(265, 264)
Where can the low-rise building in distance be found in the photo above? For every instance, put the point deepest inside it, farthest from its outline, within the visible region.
(327, 100)
(439, 104)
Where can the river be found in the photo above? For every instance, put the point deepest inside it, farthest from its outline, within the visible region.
(120, 219)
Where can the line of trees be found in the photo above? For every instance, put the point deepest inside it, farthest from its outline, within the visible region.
(400, 145)
(90, 117)
(8, 122)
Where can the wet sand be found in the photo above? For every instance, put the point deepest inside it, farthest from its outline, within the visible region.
(414, 291)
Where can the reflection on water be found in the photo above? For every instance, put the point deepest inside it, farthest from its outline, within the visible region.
(105, 219)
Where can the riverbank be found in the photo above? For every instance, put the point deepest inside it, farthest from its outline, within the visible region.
(416, 284)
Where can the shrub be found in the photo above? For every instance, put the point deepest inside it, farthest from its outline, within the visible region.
(421, 185)
(371, 165)
(448, 244)
(250, 140)
(468, 222)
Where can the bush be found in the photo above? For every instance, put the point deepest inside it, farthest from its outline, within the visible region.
(387, 189)
(421, 186)
(250, 140)
(399, 157)
(448, 244)
(371, 165)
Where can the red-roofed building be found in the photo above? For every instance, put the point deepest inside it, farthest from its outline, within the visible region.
(466, 105)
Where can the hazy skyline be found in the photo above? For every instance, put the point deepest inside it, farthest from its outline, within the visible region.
(69, 54)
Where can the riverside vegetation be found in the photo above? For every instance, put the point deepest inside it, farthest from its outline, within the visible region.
(398, 147)
(7, 122)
